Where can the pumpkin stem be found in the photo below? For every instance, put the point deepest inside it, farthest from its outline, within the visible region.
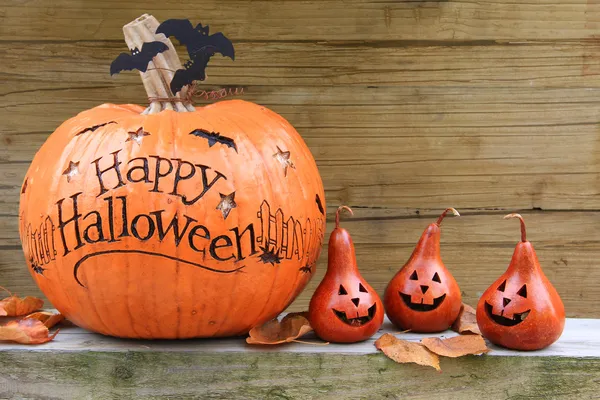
(523, 231)
(337, 214)
(157, 78)
(454, 212)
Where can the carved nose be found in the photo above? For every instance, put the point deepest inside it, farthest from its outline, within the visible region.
(356, 300)
(424, 288)
(505, 301)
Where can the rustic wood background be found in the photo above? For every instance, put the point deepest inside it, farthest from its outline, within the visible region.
(408, 107)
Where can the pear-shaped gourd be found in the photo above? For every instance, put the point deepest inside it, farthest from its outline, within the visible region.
(521, 310)
(423, 296)
(344, 308)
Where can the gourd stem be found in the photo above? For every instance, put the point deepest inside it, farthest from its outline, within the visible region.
(6, 290)
(523, 231)
(454, 212)
(337, 214)
(161, 70)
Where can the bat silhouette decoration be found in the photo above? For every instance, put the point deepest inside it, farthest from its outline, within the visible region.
(214, 137)
(138, 59)
(200, 46)
(320, 204)
(94, 128)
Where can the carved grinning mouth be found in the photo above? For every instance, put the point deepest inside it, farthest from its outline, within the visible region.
(420, 306)
(502, 320)
(358, 321)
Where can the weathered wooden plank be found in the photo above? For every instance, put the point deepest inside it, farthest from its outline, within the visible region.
(376, 112)
(181, 375)
(311, 20)
(407, 195)
(407, 158)
(476, 248)
(552, 173)
(523, 64)
(457, 156)
(84, 365)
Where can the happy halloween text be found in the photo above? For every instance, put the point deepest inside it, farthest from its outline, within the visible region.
(114, 221)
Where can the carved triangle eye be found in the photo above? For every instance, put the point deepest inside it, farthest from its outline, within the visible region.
(414, 276)
(436, 278)
(361, 288)
(342, 291)
(523, 291)
(502, 286)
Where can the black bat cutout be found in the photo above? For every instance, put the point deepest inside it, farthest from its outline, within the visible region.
(193, 71)
(200, 46)
(320, 205)
(138, 59)
(214, 137)
(94, 128)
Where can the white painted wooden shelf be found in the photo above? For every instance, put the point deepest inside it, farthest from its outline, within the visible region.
(581, 338)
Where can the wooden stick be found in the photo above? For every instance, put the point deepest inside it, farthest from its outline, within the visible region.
(161, 70)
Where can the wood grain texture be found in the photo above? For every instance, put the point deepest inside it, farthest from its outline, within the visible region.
(80, 364)
(181, 375)
(314, 20)
(408, 107)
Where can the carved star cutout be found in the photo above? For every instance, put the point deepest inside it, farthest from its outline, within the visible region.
(36, 268)
(72, 170)
(137, 136)
(307, 269)
(227, 203)
(270, 256)
(284, 159)
(24, 186)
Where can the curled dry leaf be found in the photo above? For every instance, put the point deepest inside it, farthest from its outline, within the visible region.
(290, 328)
(26, 331)
(49, 319)
(466, 321)
(403, 351)
(456, 346)
(14, 306)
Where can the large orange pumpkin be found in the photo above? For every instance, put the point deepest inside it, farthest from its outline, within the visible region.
(170, 224)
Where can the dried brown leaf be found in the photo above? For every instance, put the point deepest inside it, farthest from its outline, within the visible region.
(47, 318)
(466, 321)
(403, 351)
(290, 328)
(26, 331)
(14, 306)
(456, 346)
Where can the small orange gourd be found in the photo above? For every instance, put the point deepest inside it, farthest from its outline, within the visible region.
(344, 307)
(521, 310)
(424, 296)
(172, 221)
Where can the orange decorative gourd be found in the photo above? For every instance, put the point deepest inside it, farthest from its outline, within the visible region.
(344, 308)
(521, 310)
(170, 221)
(423, 296)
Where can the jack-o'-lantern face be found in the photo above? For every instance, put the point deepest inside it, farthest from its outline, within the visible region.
(508, 305)
(344, 308)
(521, 310)
(423, 293)
(424, 296)
(355, 305)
